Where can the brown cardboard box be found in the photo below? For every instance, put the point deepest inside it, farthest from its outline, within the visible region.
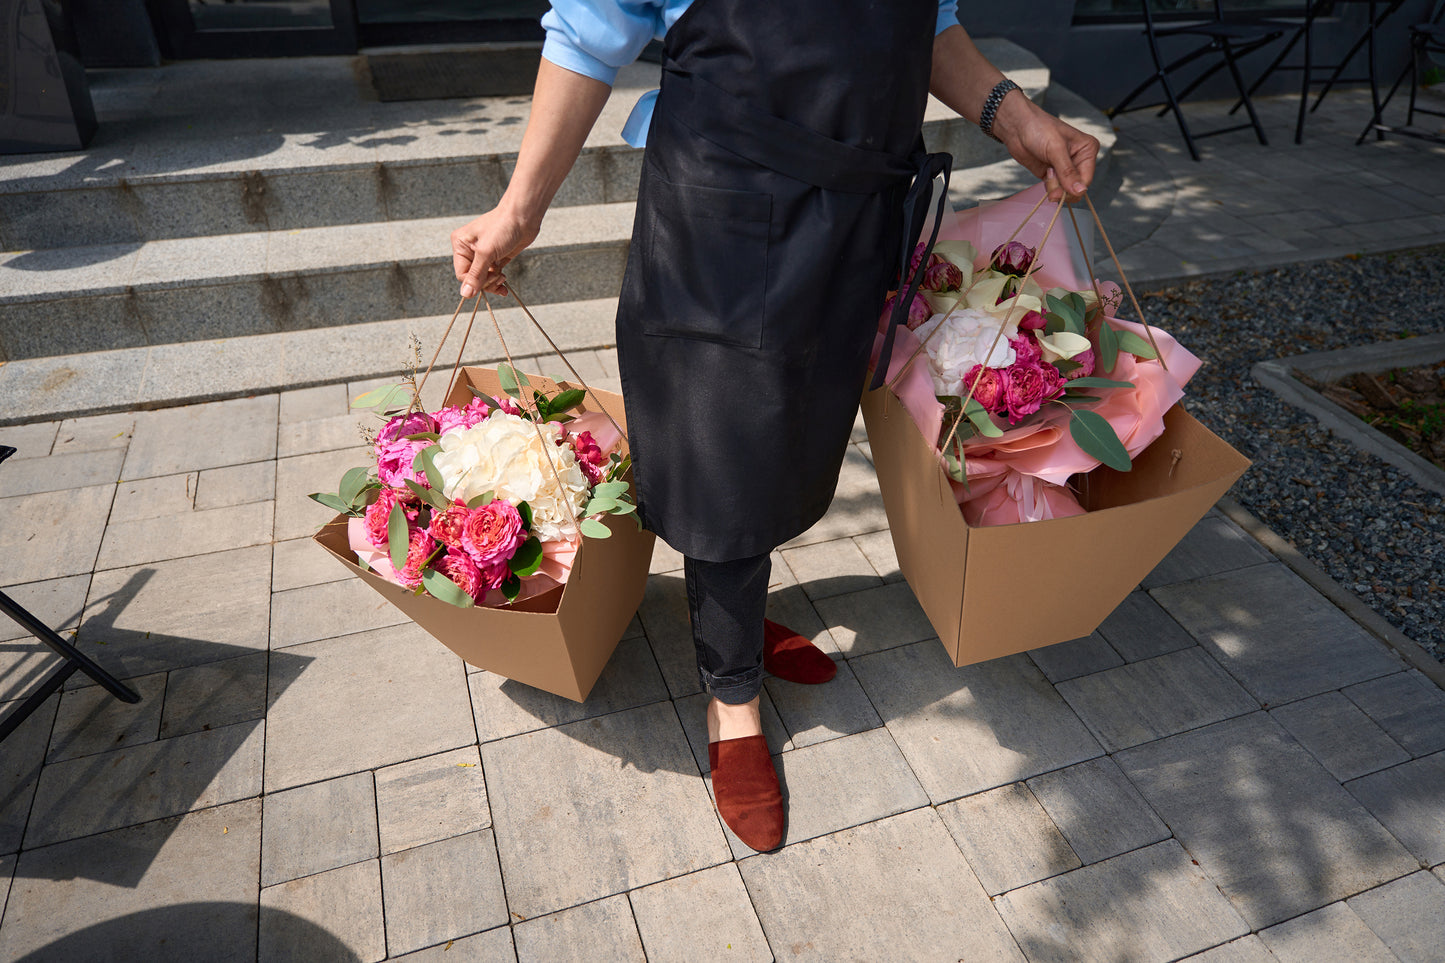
(559, 641)
(1003, 589)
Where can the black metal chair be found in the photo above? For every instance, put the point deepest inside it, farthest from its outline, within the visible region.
(72, 659)
(1301, 28)
(1426, 39)
(1228, 39)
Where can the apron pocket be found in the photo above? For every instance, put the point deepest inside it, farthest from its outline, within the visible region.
(707, 262)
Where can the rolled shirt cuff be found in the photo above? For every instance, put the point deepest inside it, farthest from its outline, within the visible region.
(559, 50)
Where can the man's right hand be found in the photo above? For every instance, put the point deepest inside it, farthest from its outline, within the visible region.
(484, 246)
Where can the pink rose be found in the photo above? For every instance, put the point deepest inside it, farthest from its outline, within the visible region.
(1014, 258)
(446, 527)
(1026, 350)
(1028, 388)
(1032, 321)
(942, 276)
(494, 575)
(403, 425)
(458, 566)
(418, 550)
(991, 387)
(493, 533)
(394, 454)
(454, 416)
(1085, 360)
(379, 512)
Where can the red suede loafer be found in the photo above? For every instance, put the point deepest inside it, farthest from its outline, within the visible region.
(788, 655)
(749, 798)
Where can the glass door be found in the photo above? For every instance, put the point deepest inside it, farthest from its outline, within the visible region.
(255, 28)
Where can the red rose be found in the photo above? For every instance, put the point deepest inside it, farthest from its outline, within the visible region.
(446, 527)
(1029, 386)
(378, 513)
(1032, 321)
(418, 550)
(458, 566)
(991, 388)
(493, 533)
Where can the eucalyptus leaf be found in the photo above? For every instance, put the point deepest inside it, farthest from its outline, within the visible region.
(624, 508)
(428, 465)
(333, 502)
(1135, 345)
(512, 380)
(353, 483)
(979, 416)
(1093, 433)
(1074, 324)
(1092, 382)
(423, 436)
(1080, 398)
(1054, 323)
(445, 589)
(384, 398)
(490, 401)
(527, 559)
(398, 538)
(431, 496)
(1108, 348)
(569, 399)
(610, 489)
(598, 506)
(485, 498)
(592, 528)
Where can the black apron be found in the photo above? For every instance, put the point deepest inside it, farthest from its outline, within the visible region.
(783, 153)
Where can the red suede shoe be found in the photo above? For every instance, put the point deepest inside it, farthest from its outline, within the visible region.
(749, 798)
(788, 655)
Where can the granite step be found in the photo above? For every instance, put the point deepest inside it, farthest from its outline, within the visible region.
(302, 143)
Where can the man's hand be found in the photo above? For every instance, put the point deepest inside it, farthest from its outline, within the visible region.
(486, 245)
(1061, 156)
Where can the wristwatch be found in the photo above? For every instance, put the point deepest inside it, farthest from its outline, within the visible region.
(991, 105)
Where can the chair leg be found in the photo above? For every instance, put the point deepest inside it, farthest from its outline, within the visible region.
(1179, 116)
(1243, 94)
(1274, 65)
(1417, 49)
(1304, 92)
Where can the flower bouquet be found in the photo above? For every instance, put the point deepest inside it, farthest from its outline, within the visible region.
(503, 524)
(1023, 400)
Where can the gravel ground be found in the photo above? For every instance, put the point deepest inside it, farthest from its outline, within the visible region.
(1360, 519)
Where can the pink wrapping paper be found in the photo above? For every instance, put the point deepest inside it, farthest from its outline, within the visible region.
(1019, 477)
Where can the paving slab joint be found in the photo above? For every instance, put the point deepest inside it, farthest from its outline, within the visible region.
(1410, 651)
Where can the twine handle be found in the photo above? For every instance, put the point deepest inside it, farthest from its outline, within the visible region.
(1125, 279)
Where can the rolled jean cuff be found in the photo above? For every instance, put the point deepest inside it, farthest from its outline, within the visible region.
(735, 690)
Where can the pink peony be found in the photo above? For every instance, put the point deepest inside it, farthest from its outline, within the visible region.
(403, 425)
(918, 312)
(379, 512)
(1014, 258)
(1026, 350)
(1032, 321)
(1085, 360)
(494, 575)
(942, 276)
(458, 566)
(1029, 386)
(446, 527)
(394, 454)
(418, 551)
(493, 533)
(991, 388)
(917, 258)
(590, 457)
(454, 416)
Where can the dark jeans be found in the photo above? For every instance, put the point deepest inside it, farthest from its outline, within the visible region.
(726, 601)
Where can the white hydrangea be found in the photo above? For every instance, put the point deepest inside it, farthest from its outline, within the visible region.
(964, 341)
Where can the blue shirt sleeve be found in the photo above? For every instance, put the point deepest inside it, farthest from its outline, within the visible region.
(597, 37)
(947, 15)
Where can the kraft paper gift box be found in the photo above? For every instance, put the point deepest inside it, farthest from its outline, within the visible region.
(558, 641)
(998, 590)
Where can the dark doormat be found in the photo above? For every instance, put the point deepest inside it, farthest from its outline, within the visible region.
(462, 70)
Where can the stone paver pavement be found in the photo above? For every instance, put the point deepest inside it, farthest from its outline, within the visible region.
(1229, 769)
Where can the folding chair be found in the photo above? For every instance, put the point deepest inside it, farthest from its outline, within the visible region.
(1425, 39)
(73, 659)
(1230, 39)
(1302, 28)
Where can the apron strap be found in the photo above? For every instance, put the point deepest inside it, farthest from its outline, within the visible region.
(777, 144)
(915, 214)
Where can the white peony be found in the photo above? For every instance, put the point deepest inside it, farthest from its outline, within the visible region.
(505, 455)
(964, 341)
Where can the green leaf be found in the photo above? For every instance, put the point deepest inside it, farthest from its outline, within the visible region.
(353, 483)
(599, 506)
(1054, 323)
(423, 436)
(334, 503)
(431, 496)
(428, 465)
(1080, 398)
(398, 538)
(528, 558)
(612, 489)
(445, 589)
(491, 402)
(569, 399)
(385, 398)
(485, 498)
(624, 508)
(525, 511)
(979, 416)
(512, 380)
(592, 528)
(1108, 347)
(1074, 324)
(511, 588)
(1077, 302)
(1099, 383)
(1135, 345)
(1096, 436)
(1064, 365)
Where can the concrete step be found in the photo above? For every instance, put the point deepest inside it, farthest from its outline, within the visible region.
(127, 379)
(202, 148)
(102, 297)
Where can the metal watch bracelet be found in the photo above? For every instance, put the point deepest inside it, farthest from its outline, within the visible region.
(991, 105)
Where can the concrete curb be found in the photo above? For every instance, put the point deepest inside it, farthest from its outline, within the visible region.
(1346, 601)
(1254, 263)
(1327, 365)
